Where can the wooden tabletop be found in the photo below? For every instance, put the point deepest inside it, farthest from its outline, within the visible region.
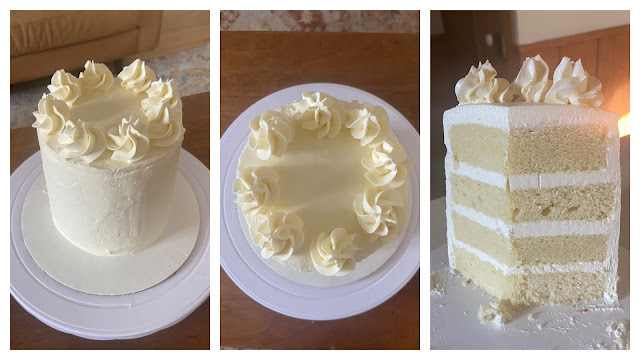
(27, 332)
(256, 64)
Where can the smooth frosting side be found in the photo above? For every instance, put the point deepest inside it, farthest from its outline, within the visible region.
(481, 86)
(321, 113)
(137, 77)
(333, 254)
(279, 235)
(65, 87)
(84, 139)
(573, 85)
(532, 82)
(51, 115)
(257, 189)
(271, 132)
(96, 77)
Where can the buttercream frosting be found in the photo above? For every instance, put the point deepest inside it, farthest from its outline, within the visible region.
(130, 141)
(573, 85)
(257, 189)
(321, 113)
(51, 115)
(85, 140)
(481, 86)
(369, 124)
(271, 132)
(333, 254)
(65, 87)
(532, 82)
(96, 77)
(388, 165)
(380, 212)
(137, 77)
(279, 235)
(164, 130)
(165, 90)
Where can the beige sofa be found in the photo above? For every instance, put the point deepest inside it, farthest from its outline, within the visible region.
(45, 41)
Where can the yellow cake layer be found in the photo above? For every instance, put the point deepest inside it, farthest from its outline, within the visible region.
(529, 289)
(531, 151)
(562, 249)
(481, 146)
(588, 203)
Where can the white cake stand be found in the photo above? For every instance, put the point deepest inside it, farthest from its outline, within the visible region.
(288, 297)
(110, 317)
(454, 313)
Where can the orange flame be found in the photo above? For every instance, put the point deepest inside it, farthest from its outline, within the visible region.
(624, 125)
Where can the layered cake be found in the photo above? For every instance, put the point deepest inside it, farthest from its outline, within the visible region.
(110, 148)
(533, 184)
(322, 183)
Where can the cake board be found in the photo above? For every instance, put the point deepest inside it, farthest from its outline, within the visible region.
(120, 316)
(287, 296)
(454, 310)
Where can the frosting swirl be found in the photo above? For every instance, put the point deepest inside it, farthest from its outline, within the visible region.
(85, 140)
(163, 130)
(481, 86)
(51, 115)
(130, 141)
(573, 85)
(369, 124)
(96, 77)
(166, 90)
(532, 82)
(321, 113)
(388, 164)
(271, 132)
(279, 235)
(137, 76)
(380, 212)
(257, 189)
(65, 87)
(333, 253)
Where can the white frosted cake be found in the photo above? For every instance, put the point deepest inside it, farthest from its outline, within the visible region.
(110, 148)
(533, 184)
(322, 183)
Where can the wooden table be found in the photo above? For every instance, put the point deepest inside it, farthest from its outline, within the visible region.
(27, 332)
(254, 65)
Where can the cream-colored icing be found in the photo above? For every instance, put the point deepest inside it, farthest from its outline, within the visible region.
(279, 235)
(109, 191)
(573, 85)
(481, 86)
(318, 179)
(532, 82)
(333, 254)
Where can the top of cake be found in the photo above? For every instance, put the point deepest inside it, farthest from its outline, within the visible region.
(571, 85)
(322, 183)
(103, 121)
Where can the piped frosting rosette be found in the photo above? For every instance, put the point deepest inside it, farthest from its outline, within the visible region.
(321, 113)
(388, 166)
(137, 77)
(96, 77)
(369, 124)
(532, 82)
(271, 132)
(164, 129)
(573, 85)
(256, 189)
(381, 212)
(481, 86)
(129, 141)
(279, 235)
(51, 115)
(85, 140)
(333, 254)
(65, 87)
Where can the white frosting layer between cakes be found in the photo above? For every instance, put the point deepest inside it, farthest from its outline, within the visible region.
(338, 168)
(110, 155)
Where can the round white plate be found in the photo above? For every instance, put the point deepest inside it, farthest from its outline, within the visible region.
(259, 281)
(110, 317)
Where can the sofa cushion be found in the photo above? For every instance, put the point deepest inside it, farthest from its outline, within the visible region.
(36, 30)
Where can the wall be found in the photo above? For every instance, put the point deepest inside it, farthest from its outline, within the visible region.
(537, 25)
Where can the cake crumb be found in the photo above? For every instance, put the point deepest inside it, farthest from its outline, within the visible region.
(531, 317)
(499, 312)
(437, 284)
(619, 329)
